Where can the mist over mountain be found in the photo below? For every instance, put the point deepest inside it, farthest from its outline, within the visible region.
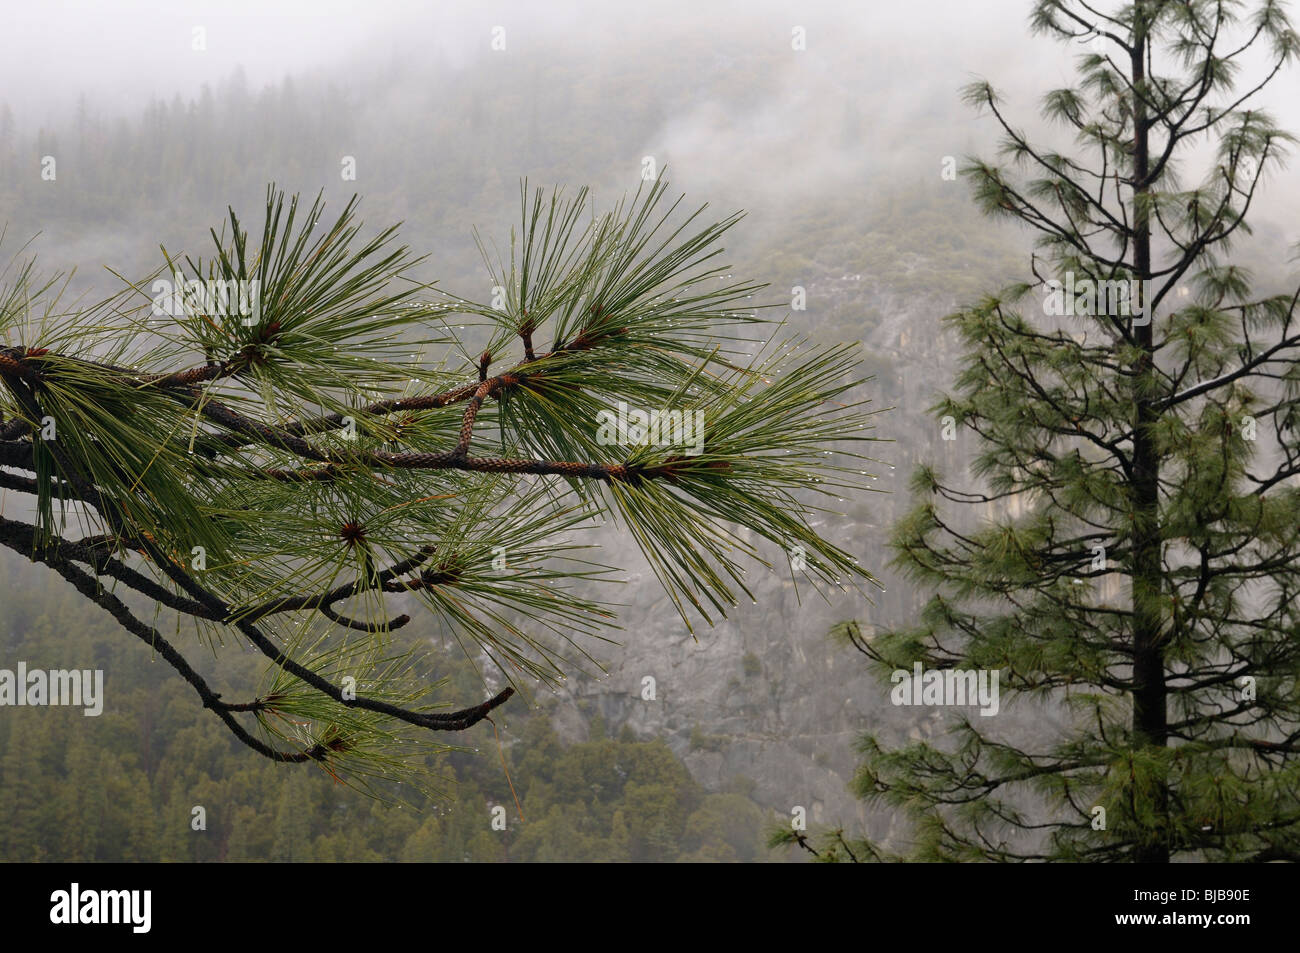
(828, 123)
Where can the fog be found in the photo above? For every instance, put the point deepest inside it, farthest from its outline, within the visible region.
(827, 122)
(869, 107)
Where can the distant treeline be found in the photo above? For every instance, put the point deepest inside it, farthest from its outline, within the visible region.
(126, 785)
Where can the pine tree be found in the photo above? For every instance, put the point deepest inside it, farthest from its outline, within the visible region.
(1126, 554)
(292, 843)
(282, 441)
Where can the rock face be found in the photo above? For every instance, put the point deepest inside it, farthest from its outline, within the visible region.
(766, 699)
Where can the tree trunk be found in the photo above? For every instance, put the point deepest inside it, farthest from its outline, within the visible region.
(1149, 693)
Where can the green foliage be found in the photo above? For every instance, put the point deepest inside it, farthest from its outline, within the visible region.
(1132, 564)
(288, 446)
(123, 786)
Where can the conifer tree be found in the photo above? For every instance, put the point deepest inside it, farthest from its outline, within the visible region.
(1126, 551)
(279, 441)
